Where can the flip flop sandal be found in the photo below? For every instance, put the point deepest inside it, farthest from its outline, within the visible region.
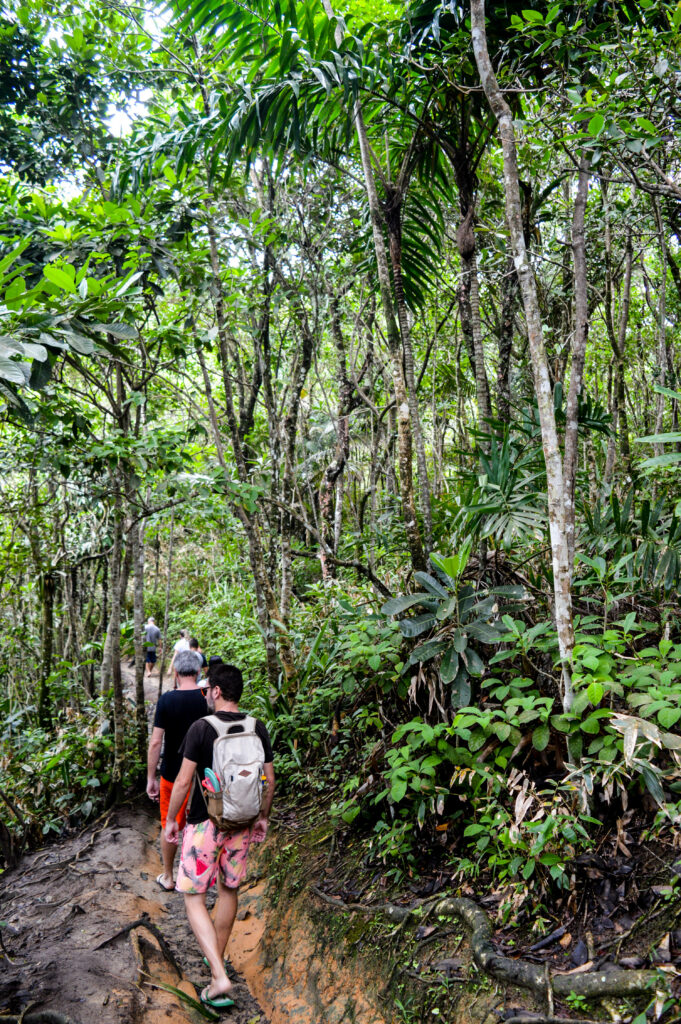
(205, 960)
(217, 1002)
(160, 884)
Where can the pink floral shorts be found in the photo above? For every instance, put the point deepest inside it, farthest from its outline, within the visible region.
(205, 852)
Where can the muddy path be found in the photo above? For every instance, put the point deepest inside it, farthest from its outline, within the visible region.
(91, 937)
(89, 934)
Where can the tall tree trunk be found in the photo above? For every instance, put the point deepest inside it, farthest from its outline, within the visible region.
(505, 329)
(562, 569)
(164, 639)
(662, 361)
(117, 591)
(404, 424)
(136, 540)
(47, 591)
(581, 333)
(393, 221)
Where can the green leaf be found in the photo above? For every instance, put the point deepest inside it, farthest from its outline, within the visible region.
(419, 624)
(11, 371)
(374, 662)
(540, 737)
(59, 277)
(596, 124)
(398, 788)
(474, 663)
(449, 666)
(667, 717)
(595, 693)
(431, 585)
(125, 331)
(396, 605)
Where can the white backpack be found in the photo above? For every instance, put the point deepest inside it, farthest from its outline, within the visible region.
(238, 762)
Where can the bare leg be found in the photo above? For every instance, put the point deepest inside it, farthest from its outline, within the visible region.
(168, 851)
(206, 936)
(225, 913)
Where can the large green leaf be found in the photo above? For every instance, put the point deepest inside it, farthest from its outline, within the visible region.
(396, 605)
(431, 585)
(419, 624)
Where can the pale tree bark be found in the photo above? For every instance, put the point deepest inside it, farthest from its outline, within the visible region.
(562, 569)
(581, 332)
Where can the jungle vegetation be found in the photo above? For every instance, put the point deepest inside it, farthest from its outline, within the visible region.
(347, 338)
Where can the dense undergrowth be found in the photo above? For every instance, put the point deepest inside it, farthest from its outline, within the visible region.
(429, 727)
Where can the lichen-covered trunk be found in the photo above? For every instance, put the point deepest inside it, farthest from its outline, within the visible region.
(542, 383)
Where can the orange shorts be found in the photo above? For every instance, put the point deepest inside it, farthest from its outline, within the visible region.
(164, 800)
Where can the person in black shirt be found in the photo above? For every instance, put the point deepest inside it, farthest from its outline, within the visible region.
(175, 712)
(207, 853)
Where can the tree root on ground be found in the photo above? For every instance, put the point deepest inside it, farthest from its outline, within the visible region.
(534, 977)
(38, 1017)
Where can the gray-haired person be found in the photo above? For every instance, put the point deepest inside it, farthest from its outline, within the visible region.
(175, 712)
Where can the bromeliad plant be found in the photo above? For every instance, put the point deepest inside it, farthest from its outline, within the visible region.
(458, 616)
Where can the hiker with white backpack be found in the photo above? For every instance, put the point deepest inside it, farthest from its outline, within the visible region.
(227, 762)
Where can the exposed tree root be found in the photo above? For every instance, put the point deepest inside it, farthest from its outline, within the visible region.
(144, 922)
(37, 1017)
(534, 977)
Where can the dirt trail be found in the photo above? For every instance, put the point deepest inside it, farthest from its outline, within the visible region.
(69, 942)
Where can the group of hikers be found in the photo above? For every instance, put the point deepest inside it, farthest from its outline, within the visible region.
(215, 792)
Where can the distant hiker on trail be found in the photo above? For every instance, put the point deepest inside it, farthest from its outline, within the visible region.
(209, 851)
(181, 645)
(152, 635)
(175, 712)
(194, 646)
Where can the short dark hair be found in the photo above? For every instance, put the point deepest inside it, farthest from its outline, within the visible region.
(230, 681)
(194, 644)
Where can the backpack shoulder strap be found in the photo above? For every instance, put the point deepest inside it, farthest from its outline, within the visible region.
(217, 723)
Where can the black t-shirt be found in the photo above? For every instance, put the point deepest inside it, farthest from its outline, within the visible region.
(175, 712)
(198, 746)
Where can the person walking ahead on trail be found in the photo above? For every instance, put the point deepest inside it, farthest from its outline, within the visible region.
(152, 635)
(175, 712)
(207, 852)
(181, 645)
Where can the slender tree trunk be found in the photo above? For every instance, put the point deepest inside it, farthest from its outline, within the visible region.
(164, 639)
(47, 589)
(662, 361)
(509, 294)
(562, 570)
(260, 599)
(404, 425)
(581, 333)
(136, 540)
(393, 220)
(117, 591)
